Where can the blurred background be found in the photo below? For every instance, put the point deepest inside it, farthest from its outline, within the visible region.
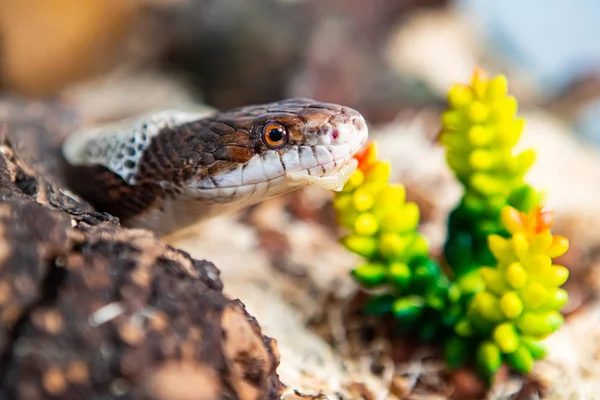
(394, 61)
(381, 56)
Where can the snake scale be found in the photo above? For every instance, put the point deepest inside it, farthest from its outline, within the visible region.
(167, 170)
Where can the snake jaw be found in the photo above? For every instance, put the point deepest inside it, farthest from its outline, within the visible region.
(334, 180)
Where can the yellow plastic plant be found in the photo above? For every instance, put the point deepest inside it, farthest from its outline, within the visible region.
(522, 298)
(383, 229)
(480, 130)
(382, 223)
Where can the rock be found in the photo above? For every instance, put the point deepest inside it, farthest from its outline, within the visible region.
(89, 309)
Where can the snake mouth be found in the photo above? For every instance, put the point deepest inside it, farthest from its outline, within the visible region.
(333, 180)
(303, 176)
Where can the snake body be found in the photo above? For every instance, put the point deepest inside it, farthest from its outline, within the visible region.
(167, 170)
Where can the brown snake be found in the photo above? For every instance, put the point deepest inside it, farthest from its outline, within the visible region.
(167, 170)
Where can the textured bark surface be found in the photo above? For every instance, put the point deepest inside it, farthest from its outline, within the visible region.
(89, 309)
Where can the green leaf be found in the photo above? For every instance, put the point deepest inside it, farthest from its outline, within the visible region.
(537, 349)
(556, 299)
(464, 328)
(380, 305)
(524, 198)
(454, 293)
(488, 358)
(408, 308)
(418, 247)
(370, 274)
(471, 282)
(539, 325)
(457, 351)
(425, 273)
(479, 325)
(365, 246)
(399, 274)
(521, 360)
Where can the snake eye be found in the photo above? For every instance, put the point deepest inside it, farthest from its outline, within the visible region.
(274, 135)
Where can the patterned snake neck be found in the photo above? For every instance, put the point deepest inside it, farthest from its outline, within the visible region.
(168, 170)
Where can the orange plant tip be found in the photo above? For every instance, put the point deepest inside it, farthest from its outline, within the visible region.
(479, 72)
(538, 220)
(367, 157)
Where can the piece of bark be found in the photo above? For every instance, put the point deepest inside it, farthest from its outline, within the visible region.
(89, 309)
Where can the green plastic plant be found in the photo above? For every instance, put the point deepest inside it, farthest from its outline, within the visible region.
(502, 293)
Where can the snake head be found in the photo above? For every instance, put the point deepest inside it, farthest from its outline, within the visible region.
(275, 148)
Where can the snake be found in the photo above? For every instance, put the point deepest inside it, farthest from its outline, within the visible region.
(170, 169)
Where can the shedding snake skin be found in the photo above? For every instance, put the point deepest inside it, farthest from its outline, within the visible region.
(167, 170)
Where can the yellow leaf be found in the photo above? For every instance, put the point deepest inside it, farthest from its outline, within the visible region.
(366, 224)
(506, 337)
(533, 295)
(501, 248)
(516, 275)
(511, 305)
(541, 242)
(559, 246)
(520, 245)
(512, 220)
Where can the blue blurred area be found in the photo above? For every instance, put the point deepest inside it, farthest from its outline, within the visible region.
(588, 123)
(555, 40)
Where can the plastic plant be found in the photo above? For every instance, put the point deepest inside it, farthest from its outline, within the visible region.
(480, 130)
(382, 228)
(501, 295)
(519, 305)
